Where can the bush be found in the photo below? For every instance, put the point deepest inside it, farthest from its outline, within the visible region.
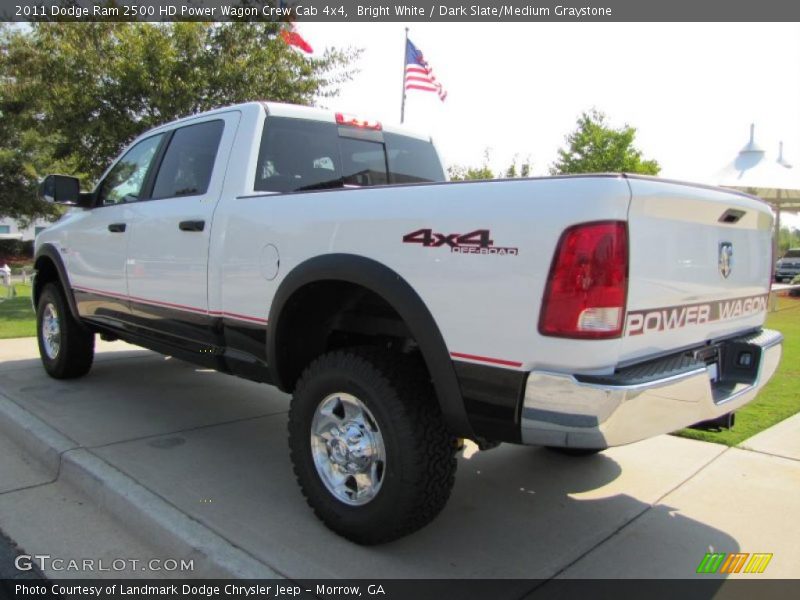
(15, 250)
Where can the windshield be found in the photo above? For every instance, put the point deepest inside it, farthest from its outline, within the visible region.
(793, 253)
(298, 155)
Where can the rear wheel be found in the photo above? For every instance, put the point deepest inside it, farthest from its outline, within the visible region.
(66, 348)
(369, 448)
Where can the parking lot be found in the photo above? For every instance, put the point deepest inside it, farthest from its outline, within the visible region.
(167, 460)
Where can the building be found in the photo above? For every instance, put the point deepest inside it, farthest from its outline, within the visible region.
(10, 229)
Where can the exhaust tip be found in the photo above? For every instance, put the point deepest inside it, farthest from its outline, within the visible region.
(718, 424)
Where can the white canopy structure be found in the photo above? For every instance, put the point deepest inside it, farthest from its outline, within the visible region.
(781, 159)
(774, 181)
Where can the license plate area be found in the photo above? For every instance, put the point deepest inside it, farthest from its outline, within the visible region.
(710, 355)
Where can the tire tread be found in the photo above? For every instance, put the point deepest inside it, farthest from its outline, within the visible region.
(76, 354)
(416, 417)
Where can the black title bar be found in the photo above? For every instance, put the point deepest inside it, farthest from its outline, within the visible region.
(337, 11)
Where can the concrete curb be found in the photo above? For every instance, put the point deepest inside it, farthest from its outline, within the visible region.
(140, 510)
(33, 435)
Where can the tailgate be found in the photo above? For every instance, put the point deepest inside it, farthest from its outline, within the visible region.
(700, 266)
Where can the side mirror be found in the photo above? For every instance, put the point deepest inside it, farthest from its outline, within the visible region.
(60, 189)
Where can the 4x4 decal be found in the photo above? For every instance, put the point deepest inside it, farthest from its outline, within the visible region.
(474, 242)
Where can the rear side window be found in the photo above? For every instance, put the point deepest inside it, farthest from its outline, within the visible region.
(299, 155)
(189, 161)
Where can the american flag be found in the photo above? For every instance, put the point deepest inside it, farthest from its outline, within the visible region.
(419, 75)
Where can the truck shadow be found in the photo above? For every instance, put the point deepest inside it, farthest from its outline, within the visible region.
(215, 447)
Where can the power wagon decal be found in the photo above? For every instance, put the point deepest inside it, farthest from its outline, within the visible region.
(675, 317)
(474, 242)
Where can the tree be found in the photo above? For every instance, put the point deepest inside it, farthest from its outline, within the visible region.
(518, 169)
(462, 173)
(72, 95)
(788, 238)
(23, 157)
(596, 147)
(515, 169)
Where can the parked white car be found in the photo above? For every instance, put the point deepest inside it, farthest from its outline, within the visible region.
(327, 255)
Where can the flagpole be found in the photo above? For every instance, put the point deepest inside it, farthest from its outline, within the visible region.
(405, 63)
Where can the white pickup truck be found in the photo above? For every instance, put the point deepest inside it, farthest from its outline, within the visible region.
(327, 255)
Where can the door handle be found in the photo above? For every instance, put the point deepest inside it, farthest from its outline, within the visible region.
(116, 227)
(192, 225)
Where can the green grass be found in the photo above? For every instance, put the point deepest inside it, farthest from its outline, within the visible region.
(16, 314)
(780, 399)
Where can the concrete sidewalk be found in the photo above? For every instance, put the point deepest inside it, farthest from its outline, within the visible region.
(151, 457)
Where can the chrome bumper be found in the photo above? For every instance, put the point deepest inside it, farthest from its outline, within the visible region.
(561, 410)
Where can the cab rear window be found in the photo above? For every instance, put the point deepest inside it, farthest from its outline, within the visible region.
(301, 155)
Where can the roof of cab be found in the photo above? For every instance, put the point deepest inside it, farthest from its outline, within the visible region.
(222, 109)
(292, 111)
(295, 111)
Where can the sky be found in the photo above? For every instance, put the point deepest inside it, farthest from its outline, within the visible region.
(691, 90)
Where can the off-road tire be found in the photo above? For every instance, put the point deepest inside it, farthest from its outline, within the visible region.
(76, 349)
(420, 452)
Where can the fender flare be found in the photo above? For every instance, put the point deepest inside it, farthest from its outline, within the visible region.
(399, 294)
(49, 251)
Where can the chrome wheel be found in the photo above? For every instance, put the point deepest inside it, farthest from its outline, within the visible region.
(348, 449)
(51, 331)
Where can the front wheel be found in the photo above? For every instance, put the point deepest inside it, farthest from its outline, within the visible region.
(66, 348)
(368, 444)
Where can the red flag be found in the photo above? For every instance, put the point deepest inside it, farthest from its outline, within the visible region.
(292, 38)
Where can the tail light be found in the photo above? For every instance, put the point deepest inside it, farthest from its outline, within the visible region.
(588, 282)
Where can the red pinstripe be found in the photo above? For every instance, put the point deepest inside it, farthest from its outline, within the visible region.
(487, 359)
(184, 307)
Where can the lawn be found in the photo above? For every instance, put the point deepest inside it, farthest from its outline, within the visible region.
(780, 399)
(16, 315)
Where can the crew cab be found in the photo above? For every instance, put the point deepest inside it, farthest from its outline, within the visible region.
(328, 256)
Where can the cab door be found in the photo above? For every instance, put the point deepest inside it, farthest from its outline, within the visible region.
(167, 264)
(98, 238)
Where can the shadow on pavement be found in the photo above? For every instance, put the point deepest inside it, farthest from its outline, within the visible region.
(215, 447)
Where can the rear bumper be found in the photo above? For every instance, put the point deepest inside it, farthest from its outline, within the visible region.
(644, 400)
